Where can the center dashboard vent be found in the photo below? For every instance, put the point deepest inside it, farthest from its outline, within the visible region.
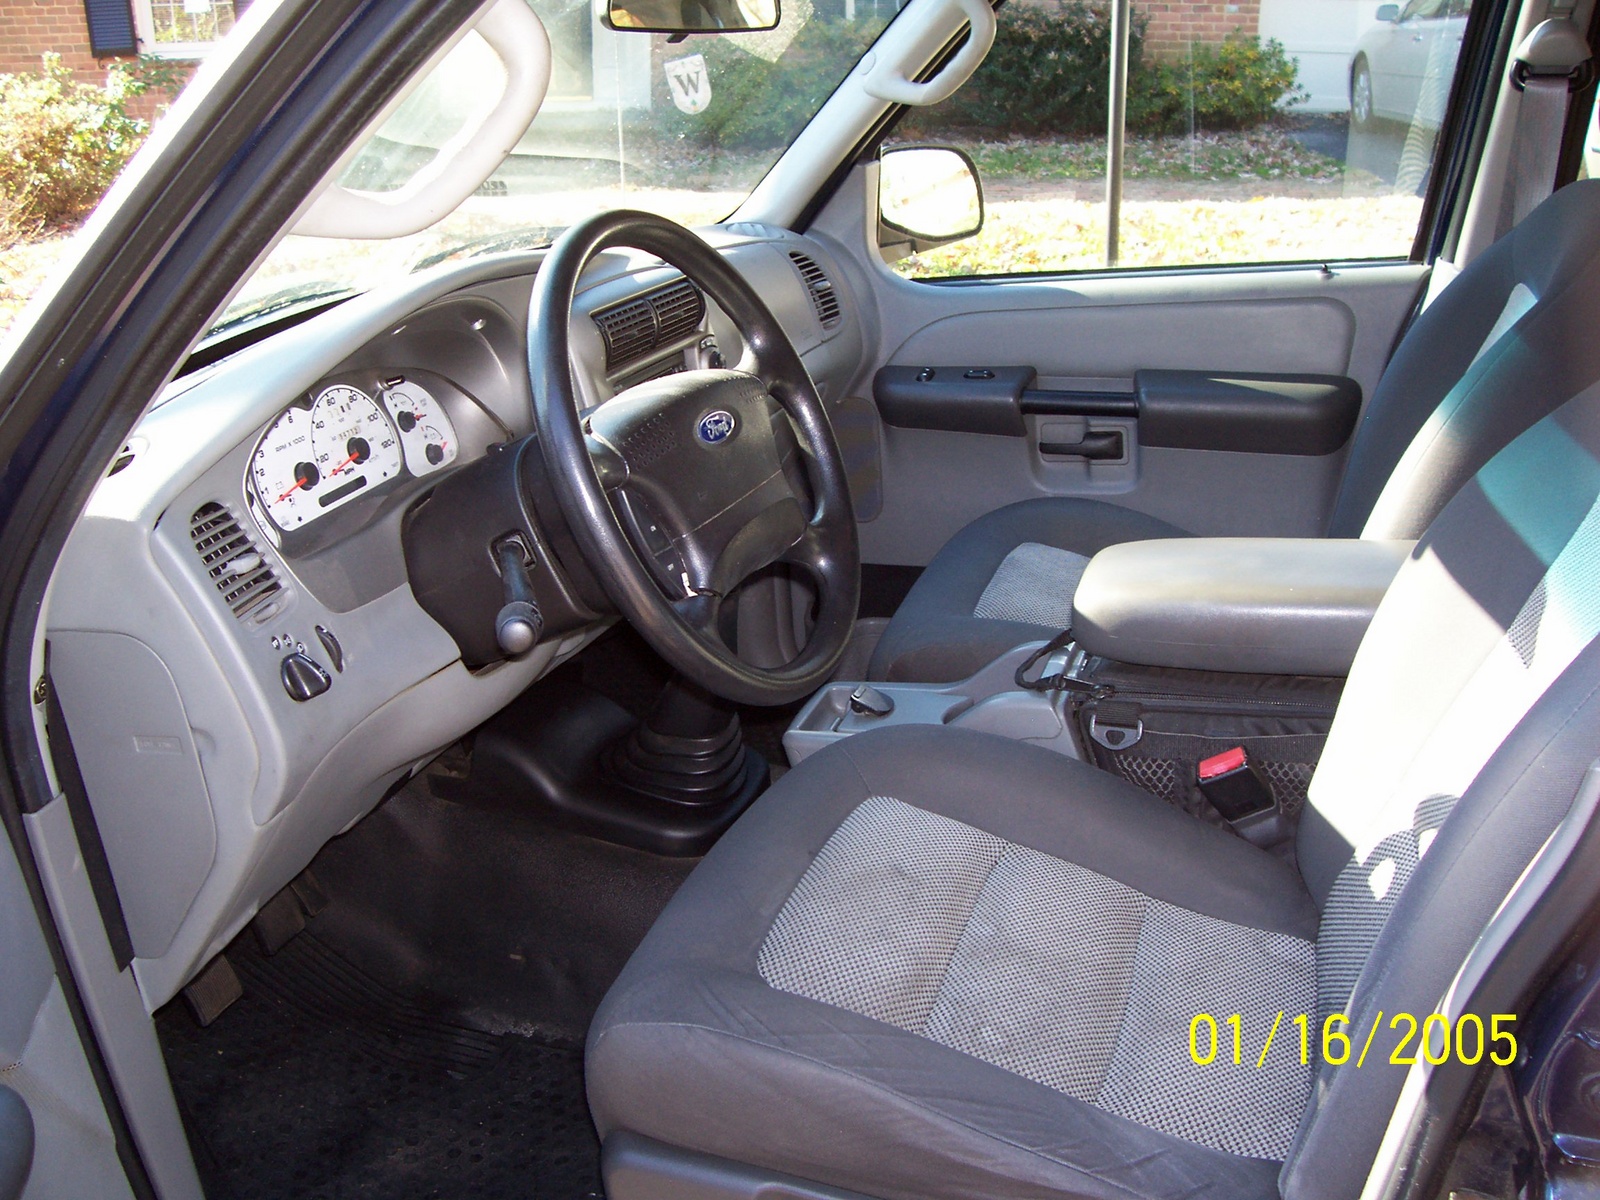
(637, 328)
(236, 568)
(823, 298)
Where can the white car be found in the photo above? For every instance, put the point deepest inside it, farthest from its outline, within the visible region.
(1403, 66)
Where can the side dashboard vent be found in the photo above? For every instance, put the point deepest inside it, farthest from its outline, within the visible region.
(823, 298)
(236, 568)
(637, 328)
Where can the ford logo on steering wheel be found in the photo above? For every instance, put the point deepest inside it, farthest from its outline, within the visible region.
(716, 427)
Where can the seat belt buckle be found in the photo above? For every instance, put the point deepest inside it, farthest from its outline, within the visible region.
(1234, 785)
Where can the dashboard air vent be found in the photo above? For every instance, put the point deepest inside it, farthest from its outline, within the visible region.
(823, 298)
(235, 567)
(637, 328)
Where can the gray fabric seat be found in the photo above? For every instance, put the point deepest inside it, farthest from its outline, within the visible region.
(936, 964)
(1509, 340)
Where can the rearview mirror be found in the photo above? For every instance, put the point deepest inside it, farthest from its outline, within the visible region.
(1389, 13)
(691, 16)
(928, 196)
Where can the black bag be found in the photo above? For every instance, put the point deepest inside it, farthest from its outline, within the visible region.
(1154, 726)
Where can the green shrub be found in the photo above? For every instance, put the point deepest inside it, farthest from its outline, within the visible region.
(1047, 73)
(756, 104)
(1236, 85)
(62, 142)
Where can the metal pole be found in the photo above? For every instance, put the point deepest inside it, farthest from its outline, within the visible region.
(1115, 122)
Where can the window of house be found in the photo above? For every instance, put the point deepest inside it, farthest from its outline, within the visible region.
(184, 28)
(1260, 131)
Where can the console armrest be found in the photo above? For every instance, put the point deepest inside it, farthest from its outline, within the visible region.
(1268, 606)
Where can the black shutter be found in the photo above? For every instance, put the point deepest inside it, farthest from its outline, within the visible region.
(110, 27)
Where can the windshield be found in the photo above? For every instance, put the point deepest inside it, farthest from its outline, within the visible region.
(630, 121)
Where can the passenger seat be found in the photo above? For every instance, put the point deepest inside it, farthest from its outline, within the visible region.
(1508, 342)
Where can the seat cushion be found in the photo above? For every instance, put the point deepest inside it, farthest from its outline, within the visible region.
(895, 977)
(1006, 579)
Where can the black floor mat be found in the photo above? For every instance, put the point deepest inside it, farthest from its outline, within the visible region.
(522, 926)
(424, 1035)
(323, 1083)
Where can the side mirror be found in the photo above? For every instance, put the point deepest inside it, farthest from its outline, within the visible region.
(691, 16)
(1389, 13)
(928, 196)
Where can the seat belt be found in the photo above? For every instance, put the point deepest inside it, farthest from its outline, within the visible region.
(1552, 62)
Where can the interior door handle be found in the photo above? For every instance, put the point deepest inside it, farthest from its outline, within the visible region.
(1105, 444)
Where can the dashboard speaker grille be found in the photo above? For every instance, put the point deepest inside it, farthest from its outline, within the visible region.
(823, 298)
(236, 568)
(639, 327)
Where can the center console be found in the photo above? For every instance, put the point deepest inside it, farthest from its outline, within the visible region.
(1204, 670)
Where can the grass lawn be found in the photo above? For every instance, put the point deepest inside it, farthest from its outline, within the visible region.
(1267, 153)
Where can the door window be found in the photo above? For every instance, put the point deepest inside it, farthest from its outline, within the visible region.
(1278, 131)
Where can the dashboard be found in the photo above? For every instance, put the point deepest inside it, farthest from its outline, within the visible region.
(244, 642)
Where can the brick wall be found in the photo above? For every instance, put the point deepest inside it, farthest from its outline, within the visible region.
(1174, 25)
(30, 28)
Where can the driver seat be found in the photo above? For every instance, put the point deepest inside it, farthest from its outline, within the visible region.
(932, 964)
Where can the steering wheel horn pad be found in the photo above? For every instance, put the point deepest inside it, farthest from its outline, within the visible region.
(680, 488)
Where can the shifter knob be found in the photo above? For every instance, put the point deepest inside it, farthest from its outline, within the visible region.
(518, 627)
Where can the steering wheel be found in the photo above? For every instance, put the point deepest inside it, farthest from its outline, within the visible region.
(680, 488)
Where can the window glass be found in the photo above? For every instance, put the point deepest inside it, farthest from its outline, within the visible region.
(632, 120)
(187, 23)
(1277, 131)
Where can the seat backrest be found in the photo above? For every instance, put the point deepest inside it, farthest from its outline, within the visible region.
(1471, 712)
(1510, 339)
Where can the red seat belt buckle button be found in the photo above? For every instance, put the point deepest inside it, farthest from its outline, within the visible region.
(1222, 764)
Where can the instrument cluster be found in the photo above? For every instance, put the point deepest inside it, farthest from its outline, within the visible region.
(343, 443)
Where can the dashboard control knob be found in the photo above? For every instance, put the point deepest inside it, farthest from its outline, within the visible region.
(303, 677)
(332, 646)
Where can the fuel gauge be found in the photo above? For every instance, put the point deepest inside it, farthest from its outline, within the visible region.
(426, 435)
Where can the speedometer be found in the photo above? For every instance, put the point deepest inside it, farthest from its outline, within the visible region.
(354, 446)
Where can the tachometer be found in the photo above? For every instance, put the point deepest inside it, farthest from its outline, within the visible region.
(284, 470)
(355, 446)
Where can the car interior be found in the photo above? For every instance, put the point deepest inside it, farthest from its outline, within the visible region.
(697, 713)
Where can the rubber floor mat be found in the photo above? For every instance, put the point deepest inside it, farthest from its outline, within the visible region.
(322, 1084)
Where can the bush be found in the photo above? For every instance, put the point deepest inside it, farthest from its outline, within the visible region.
(1235, 85)
(1046, 74)
(62, 142)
